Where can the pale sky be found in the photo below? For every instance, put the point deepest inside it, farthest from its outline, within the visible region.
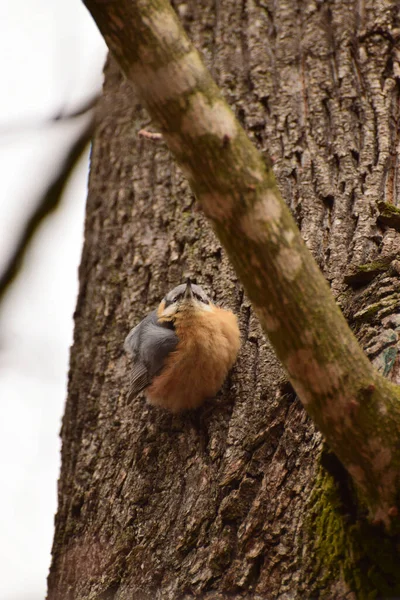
(52, 58)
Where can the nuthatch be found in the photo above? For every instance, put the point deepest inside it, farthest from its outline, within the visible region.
(182, 351)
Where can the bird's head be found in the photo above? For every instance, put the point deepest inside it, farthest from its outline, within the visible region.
(187, 297)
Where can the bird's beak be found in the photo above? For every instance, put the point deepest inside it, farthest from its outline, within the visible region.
(188, 291)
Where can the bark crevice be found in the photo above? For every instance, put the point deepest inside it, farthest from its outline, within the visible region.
(139, 487)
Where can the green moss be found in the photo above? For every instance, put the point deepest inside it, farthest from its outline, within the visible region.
(386, 206)
(389, 215)
(378, 265)
(346, 546)
(389, 305)
(363, 274)
(386, 306)
(367, 313)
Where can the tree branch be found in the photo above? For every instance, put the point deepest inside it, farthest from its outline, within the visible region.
(21, 127)
(46, 205)
(355, 408)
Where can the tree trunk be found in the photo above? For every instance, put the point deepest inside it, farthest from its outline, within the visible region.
(236, 499)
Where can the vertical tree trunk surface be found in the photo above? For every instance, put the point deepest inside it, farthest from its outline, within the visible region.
(236, 499)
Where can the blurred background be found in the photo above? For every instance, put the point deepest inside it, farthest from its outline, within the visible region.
(52, 59)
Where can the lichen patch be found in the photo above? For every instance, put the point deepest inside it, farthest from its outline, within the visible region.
(289, 236)
(262, 223)
(203, 118)
(166, 25)
(318, 378)
(289, 263)
(170, 80)
(268, 208)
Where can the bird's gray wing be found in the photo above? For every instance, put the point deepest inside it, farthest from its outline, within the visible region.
(157, 341)
(149, 344)
(139, 379)
(131, 343)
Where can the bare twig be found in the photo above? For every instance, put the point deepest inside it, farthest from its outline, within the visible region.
(62, 116)
(47, 204)
(150, 135)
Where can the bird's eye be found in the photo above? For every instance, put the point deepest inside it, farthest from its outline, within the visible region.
(203, 300)
(170, 301)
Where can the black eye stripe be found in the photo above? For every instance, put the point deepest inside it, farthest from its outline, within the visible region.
(169, 301)
(173, 300)
(203, 300)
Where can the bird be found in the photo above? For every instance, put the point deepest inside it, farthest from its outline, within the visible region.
(182, 351)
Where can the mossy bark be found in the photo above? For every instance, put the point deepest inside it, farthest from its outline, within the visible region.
(356, 409)
(231, 501)
(345, 545)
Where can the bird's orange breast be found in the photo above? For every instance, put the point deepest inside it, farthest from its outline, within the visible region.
(208, 345)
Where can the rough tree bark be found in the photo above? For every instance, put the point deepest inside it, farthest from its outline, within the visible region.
(355, 407)
(236, 499)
